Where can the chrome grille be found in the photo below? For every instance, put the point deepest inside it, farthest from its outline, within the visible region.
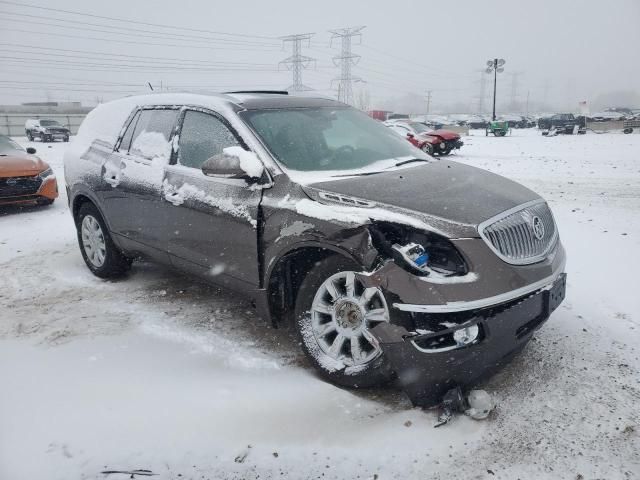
(524, 235)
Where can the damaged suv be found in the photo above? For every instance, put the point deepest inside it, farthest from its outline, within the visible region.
(391, 265)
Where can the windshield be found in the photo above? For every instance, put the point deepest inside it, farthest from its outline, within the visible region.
(420, 128)
(49, 123)
(327, 138)
(7, 145)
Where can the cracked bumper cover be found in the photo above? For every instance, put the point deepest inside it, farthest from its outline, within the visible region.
(425, 375)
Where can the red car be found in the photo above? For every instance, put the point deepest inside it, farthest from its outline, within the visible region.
(433, 142)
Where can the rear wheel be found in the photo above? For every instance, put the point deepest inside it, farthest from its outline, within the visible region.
(427, 148)
(334, 315)
(99, 252)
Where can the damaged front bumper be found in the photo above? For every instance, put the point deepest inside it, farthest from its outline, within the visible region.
(428, 362)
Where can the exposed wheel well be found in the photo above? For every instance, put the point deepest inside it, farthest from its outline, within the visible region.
(286, 277)
(77, 203)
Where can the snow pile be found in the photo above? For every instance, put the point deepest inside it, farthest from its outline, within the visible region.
(249, 161)
(152, 145)
(177, 196)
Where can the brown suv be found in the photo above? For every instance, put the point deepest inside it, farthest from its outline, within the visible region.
(391, 264)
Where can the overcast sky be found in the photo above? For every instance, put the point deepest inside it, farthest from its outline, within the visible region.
(562, 51)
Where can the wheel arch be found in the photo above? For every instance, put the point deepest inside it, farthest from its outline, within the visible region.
(285, 275)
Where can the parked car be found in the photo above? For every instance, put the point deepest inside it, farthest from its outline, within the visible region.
(24, 178)
(432, 142)
(562, 122)
(46, 130)
(390, 263)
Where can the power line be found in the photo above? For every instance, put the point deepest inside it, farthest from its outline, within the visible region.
(124, 20)
(136, 58)
(297, 62)
(346, 59)
(131, 42)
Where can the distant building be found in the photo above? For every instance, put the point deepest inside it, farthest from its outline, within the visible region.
(53, 104)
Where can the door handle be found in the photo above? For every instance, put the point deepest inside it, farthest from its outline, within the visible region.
(174, 198)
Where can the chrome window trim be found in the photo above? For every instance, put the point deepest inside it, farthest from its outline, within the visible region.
(526, 261)
(483, 302)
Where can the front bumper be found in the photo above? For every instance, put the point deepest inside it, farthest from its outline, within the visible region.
(426, 368)
(28, 189)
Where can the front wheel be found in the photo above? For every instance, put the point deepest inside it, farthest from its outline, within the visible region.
(445, 152)
(334, 315)
(99, 252)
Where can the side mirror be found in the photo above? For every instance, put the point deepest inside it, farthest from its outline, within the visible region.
(31, 150)
(234, 162)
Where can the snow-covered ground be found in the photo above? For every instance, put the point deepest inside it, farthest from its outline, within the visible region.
(160, 372)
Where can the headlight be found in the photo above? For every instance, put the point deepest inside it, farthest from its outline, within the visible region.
(421, 253)
(46, 173)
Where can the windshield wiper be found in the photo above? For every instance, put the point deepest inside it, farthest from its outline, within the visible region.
(358, 174)
(404, 162)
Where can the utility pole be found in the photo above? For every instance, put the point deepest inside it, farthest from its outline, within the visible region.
(346, 60)
(429, 101)
(482, 93)
(297, 62)
(495, 66)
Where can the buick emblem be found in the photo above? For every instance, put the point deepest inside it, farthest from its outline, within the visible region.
(538, 227)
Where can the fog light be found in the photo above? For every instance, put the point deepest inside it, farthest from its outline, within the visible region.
(466, 335)
(443, 145)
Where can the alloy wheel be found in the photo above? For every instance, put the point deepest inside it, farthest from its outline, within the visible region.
(342, 313)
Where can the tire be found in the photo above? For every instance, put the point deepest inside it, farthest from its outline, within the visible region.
(445, 152)
(29, 136)
(427, 148)
(65, 139)
(99, 252)
(500, 133)
(358, 364)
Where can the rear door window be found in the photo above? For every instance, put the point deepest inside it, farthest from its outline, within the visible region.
(128, 135)
(152, 133)
(202, 136)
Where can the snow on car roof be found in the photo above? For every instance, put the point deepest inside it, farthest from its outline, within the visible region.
(106, 120)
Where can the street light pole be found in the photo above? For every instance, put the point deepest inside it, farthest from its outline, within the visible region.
(495, 66)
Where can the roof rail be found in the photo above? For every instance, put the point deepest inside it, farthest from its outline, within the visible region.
(272, 92)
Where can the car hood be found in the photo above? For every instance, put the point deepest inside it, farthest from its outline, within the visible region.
(456, 197)
(445, 134)
(21, 165)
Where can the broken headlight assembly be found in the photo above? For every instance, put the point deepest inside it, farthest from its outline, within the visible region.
(421, 253)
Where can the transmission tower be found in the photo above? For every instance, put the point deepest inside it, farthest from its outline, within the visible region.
(514, 90)
(346, 60)
(297, 62)
(483, 88)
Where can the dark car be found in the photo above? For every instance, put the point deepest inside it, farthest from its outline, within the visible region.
(46, 130)
(562, 122)
(392, 265)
